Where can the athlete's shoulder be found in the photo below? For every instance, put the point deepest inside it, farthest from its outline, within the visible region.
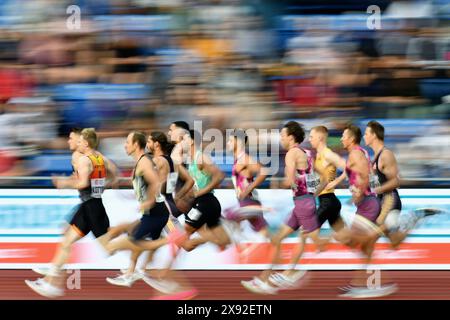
(76, 155)
(294, 151)
(387, 155)
(160, 161)
(357, 153)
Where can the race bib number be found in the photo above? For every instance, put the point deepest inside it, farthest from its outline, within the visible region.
(194, 215)
(312, 182)
(171, 183)
(374, 182)
(97, 187)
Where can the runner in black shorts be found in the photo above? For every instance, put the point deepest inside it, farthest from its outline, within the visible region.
(147, 187)
(385, 183)
(325, 164)
(92, 170)
(184, 193)
(206, 213)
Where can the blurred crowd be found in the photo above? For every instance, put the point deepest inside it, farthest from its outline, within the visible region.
(142, 64)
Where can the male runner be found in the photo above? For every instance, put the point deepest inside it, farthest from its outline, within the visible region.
(299, 177)
(247, 175)
(329, 209)
(364, 230)
(385, 183)
(92, 169)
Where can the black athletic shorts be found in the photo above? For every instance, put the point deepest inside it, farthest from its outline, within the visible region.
(206, 210)
(390, 201)
(90, 216)
(152, 223)
(329, 208)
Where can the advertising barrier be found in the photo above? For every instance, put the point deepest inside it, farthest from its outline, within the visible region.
(32, 221)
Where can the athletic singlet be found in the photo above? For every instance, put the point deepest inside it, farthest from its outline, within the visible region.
(306, 181)
(172, 179)
(140, 186)
(352, 175)
(328, 169)
(201, 179)
(97, 179)
(380, 176)
(240, 181)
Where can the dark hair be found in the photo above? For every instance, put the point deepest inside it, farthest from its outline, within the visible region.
(377, 129)
(161, 138)
(240, 134)
(181, 124)
(76, 130)
(295, 129)
(139, 137)
(355, 131)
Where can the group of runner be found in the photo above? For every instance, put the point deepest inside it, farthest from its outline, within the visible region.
(173, 177)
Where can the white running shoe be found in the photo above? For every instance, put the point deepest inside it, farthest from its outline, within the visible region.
(256, 285)
(283, 281)
(42, 287)
(162, 285)
(125, 280)
(364, 293)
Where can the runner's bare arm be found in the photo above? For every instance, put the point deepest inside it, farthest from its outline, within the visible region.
(145, 167)
(358, 163)
(338, 162)
(335, 159)
(254, 168)
(188, 181)
(80, 181)
(160, 168)
(289, 170)
(112, 172)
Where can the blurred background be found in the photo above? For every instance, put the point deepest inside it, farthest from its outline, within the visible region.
(141, 64)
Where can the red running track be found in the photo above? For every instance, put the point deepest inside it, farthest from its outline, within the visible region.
(225, 285)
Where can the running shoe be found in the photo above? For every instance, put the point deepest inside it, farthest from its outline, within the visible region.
(283, 281)
(125, 280)
(256, 285)
(43, 288)
(365, 293)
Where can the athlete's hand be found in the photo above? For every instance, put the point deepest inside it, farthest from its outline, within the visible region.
(242, 196)
(198, 193)
(58, 182)
(357, 195)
